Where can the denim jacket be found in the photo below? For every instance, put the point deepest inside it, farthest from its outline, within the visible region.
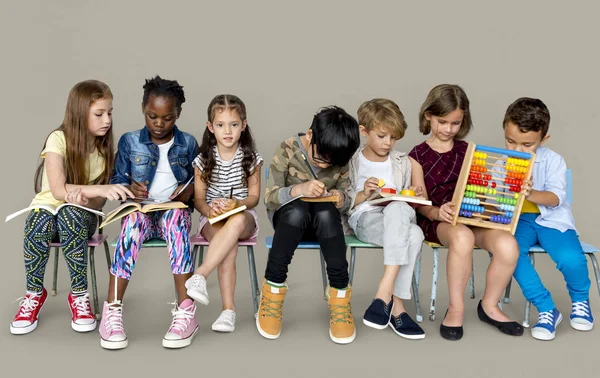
(138, 156)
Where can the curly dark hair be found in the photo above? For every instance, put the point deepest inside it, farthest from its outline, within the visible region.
(160, 87)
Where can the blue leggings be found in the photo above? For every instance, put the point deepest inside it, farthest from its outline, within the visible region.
(563, 248)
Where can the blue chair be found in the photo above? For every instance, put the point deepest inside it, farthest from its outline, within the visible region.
(588, 249)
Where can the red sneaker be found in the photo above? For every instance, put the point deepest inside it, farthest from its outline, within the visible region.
(27, 318)
(82, 316)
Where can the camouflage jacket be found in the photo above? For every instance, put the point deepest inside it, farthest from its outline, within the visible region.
(288, 169)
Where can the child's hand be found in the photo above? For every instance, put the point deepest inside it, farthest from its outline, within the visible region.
(340, 201)
(115, 192)
(139, 191)
(222, 205)
(446, 213)
(313, 188)
(76, 196)
(526, 188)
(182, 196)
(418, 190)
(371, 186)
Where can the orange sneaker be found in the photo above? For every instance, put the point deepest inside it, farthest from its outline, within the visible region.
(270, 312)
(341, 321)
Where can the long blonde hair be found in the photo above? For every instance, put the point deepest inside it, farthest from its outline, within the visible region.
(75, 128)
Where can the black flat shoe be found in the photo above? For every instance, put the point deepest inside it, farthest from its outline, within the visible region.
(451, 333)
(510, 328)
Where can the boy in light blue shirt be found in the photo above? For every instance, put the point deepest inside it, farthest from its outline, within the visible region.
(546, 219)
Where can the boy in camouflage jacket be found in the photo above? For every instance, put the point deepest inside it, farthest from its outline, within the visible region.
(310, 165)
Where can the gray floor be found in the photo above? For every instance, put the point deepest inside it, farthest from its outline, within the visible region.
(304, 347)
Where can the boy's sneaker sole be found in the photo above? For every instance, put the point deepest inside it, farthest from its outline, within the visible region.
(345, 340)
(113, 345)
(581, 326)
(182, 343)
(83, 327)
(374, 325)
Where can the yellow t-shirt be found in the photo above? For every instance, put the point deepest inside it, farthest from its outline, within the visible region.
(56, 143)
(529, 207)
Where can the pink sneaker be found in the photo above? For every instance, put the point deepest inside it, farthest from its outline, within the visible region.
(27, 318)
(112, 335)
(82, 316)
(183, 327)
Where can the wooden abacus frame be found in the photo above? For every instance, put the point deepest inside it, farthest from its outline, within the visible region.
(461, 185)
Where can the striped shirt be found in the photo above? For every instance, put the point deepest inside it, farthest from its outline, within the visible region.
(227, 175)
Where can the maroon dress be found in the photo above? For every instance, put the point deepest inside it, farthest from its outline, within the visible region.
(440, 171)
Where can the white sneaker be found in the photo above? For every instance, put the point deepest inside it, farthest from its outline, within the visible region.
(225, 322)
(196, 289)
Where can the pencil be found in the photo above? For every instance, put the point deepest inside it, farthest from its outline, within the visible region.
(131, 178)
(231, 193)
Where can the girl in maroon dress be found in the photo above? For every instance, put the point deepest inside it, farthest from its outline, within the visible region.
(436, 164)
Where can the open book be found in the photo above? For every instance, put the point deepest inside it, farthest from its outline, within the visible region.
(129, 207)
(219, 218)
(327, 198)
(383, 198)
(51, 209)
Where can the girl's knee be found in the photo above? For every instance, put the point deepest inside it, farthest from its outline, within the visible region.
(505, 247)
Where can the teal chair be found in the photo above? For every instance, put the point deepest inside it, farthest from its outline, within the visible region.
(588, 249)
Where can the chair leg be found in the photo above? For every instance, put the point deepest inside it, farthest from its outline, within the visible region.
(107, 253)
(92, 268)
(194, 255)
(415, 289)
(596, 269)
(201, 256)
(418, 269)
(323, 275)
(352, 262)
(436, 259)
(253, 278)
(472, 279)
(528, 304)
(55, 274)
(507, 292)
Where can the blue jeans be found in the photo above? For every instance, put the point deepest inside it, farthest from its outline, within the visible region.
(564, 249)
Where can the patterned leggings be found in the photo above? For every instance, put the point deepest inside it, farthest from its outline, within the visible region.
(171, 225)
(75, 226)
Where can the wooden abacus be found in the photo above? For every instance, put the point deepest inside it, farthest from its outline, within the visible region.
(488, 193)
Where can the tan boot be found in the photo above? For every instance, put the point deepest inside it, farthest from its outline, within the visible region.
(341, 321)
(270, 312)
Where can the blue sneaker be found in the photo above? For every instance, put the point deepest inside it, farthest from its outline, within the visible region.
(545, 329)
(581, 316)
(378, 314)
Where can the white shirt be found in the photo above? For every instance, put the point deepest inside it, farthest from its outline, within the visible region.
(366, 169)
(164, 182)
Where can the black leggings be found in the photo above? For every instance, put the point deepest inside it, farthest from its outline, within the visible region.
(299, 221)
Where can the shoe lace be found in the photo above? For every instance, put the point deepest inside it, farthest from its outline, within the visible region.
(81, 304)
(27, 305)
(580, 309)
(546, 317)
(226, 316)
(340, 313)
(114, 317)
(271, 308)
(198, 283)
(181, 317)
